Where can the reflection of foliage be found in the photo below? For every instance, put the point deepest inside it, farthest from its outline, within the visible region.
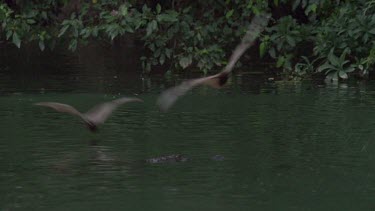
(200, 34)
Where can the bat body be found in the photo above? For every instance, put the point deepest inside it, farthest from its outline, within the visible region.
(170, 96)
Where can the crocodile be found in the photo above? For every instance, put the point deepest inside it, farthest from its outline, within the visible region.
(175, 158)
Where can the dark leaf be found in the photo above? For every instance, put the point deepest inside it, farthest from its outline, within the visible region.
(333, 59)
(262, 49)
(185, 61)
(9, 34)
(324, 66)
(296, 4)
(167, 17)
(162, 59)
(290, 41)
(16, 40)
(41, 45)
(158, 8)
(280, 61)
(229, 14)
(272, 53)
(63, 30)
(343, 75)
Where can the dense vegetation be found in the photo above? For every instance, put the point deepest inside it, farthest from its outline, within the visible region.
(305, 37)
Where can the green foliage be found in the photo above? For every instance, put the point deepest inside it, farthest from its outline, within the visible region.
(347, 32)
(345, 28)
(305, 67)
(282, 41)
(195, 35)
(191, 34)
(336, 67)
(30, 25)
(335, 38)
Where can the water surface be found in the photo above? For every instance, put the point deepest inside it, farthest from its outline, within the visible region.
(286, 146)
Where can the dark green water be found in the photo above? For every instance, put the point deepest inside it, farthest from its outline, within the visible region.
(287, 146)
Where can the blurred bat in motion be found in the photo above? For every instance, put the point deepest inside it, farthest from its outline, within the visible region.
(168, 97)
(95, 116)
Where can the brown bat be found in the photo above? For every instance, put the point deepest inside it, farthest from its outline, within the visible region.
(95, 116)
(168, 97)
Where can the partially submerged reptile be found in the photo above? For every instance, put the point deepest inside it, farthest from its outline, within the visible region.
(177, 158)
(102, 157)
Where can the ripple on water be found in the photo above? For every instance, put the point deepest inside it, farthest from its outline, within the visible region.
(285, 147)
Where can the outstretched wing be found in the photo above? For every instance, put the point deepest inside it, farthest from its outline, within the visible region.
(60, 107)
(256, 26)
(100, 113)
(170, 96)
